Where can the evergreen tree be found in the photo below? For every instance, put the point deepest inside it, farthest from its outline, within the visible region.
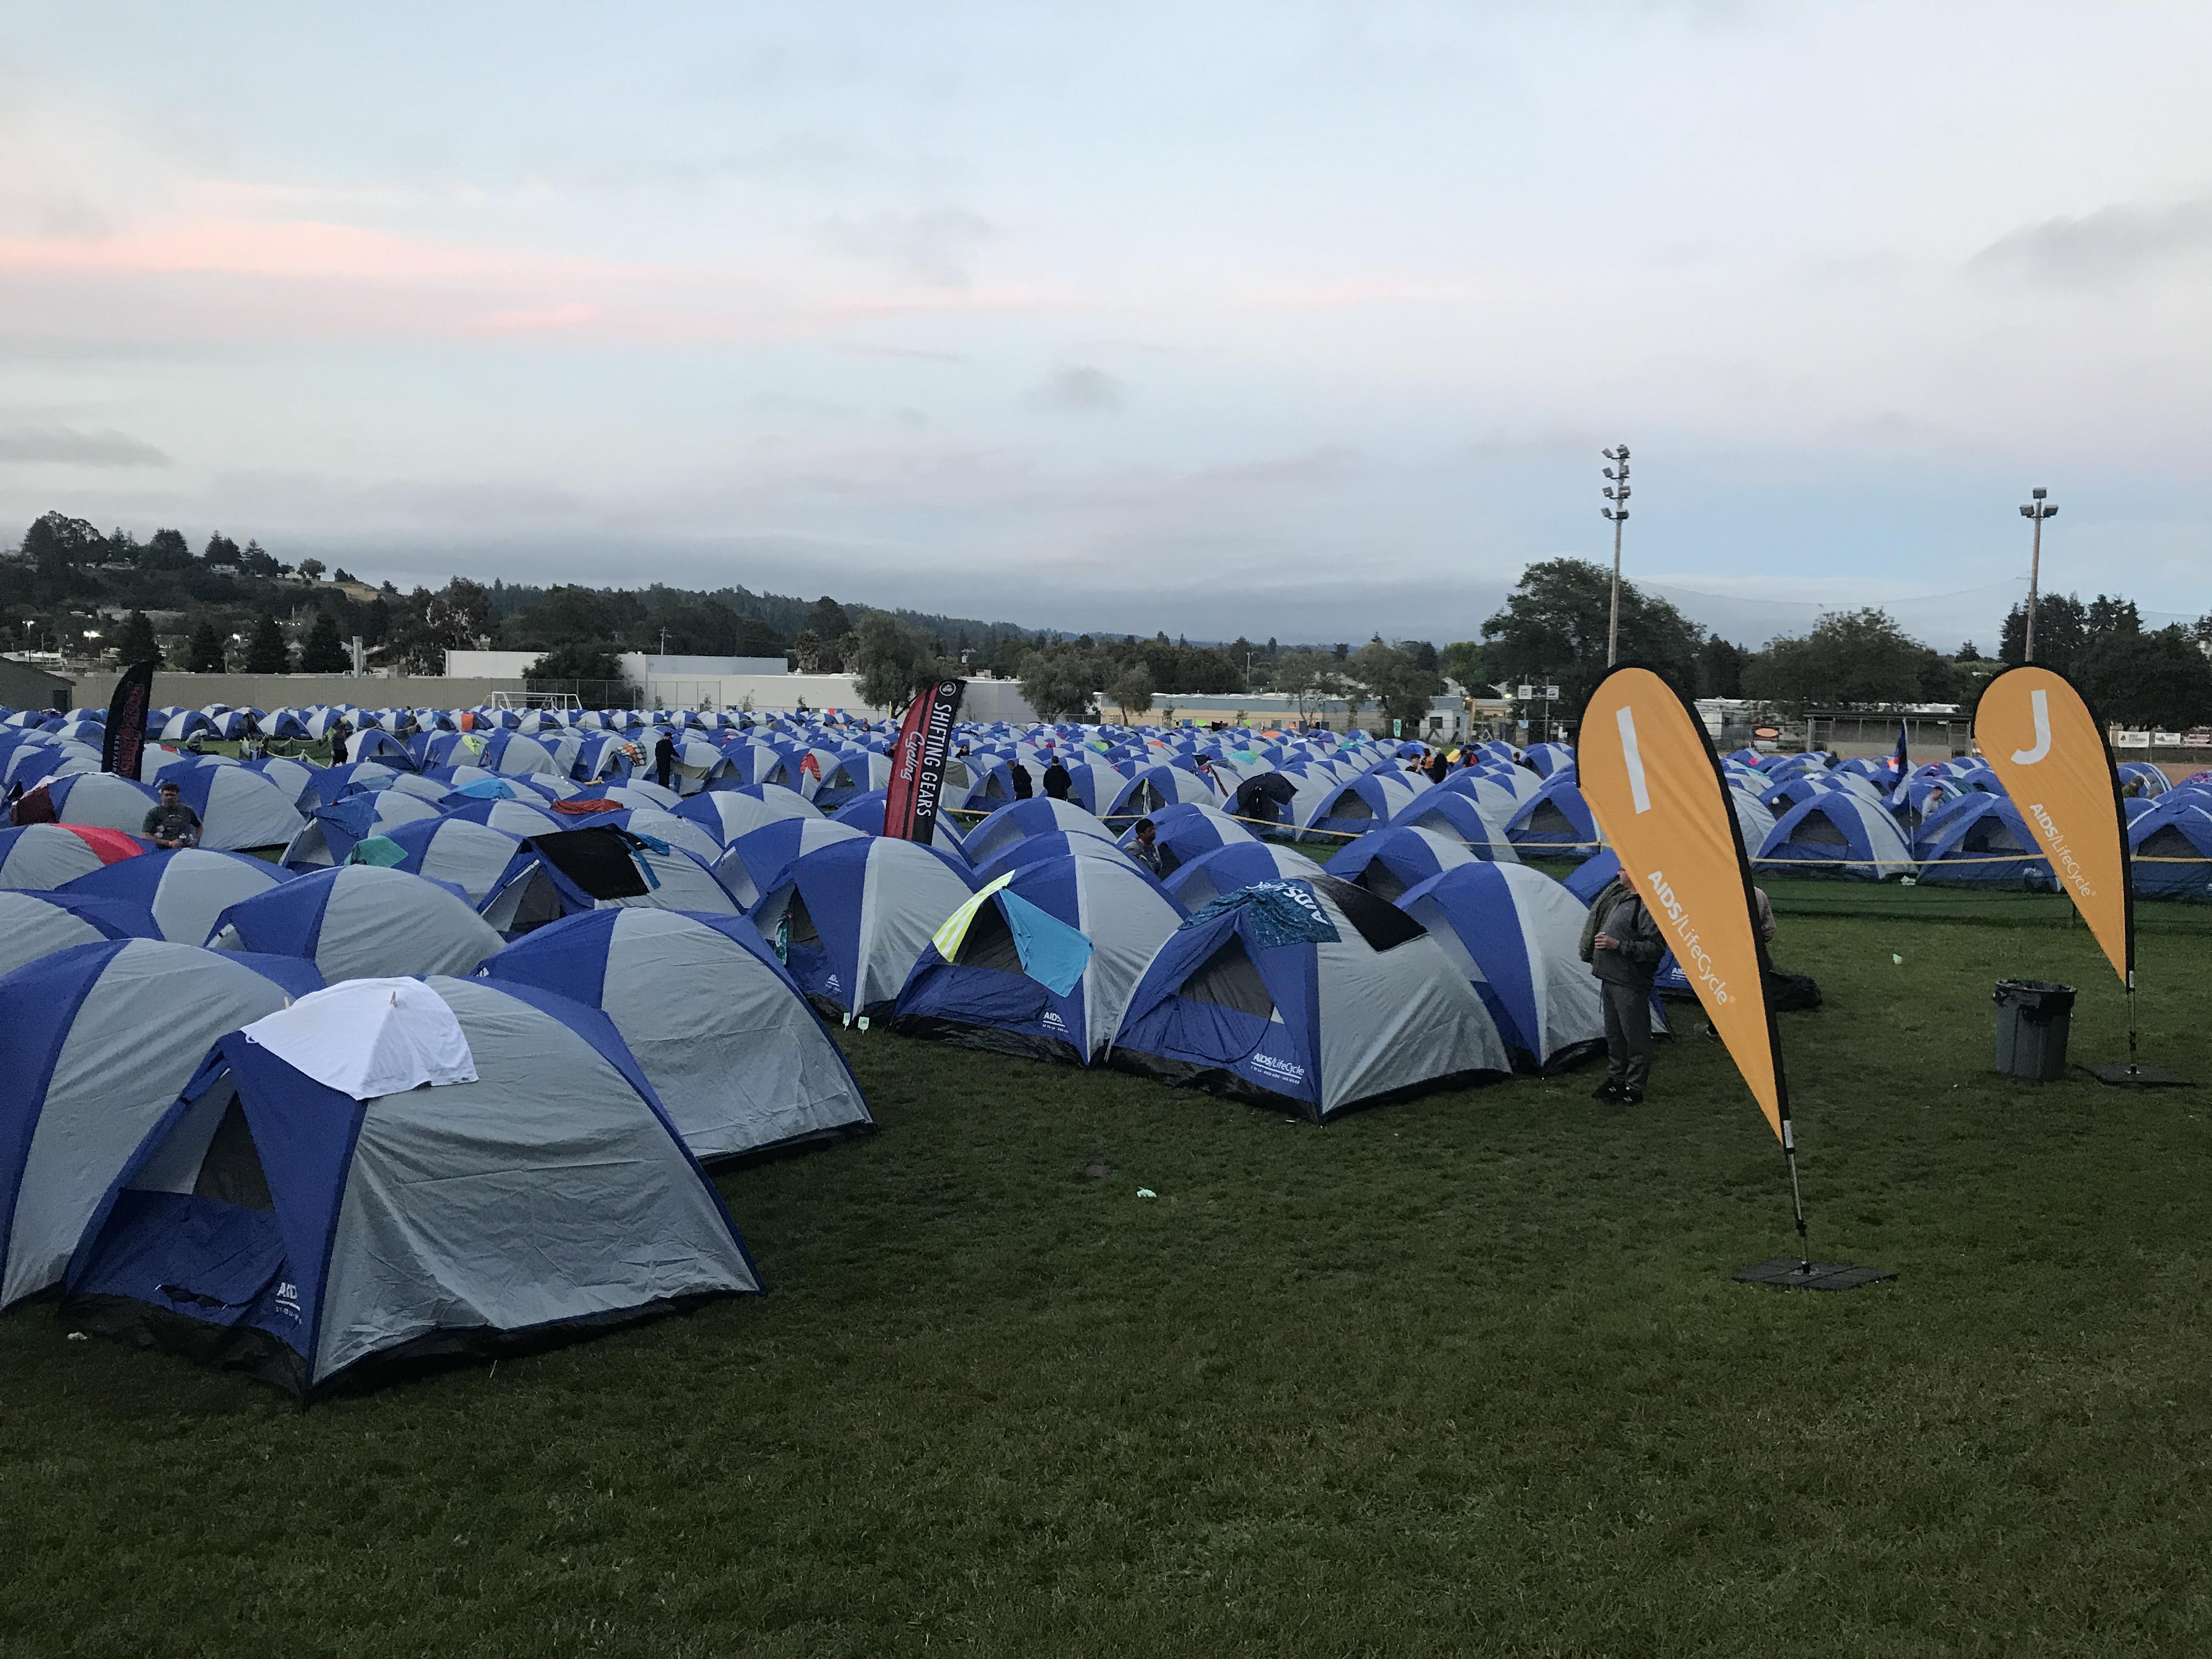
(204, 654)
(266, 652)
(323, 652)
(135, 642)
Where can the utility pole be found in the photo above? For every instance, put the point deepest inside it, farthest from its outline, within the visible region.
(1617, 493)
(2039, 509)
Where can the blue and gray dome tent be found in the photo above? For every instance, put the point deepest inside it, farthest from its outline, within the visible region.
(185, 889)
(722, 1032)
(725, 814)
(1005, 971)
(1389, 862)
(851, 919)
(45, 856)
(1837, 833)
(361, 922)
(1556, 822)
(1516, 935)
(1981, 841)
(274, 1222)
(34, 924)
(1036, 816)
(600, 868)
(2169, 847)
(1214, 875)
(1311, 992)
(95, 1041)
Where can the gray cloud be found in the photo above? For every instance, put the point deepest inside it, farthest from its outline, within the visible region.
(1078, 389)
(2100, 249)
(934, 247)
(65, 446)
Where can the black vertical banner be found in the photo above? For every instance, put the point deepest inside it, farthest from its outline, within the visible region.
(918, 763)
(126, 739)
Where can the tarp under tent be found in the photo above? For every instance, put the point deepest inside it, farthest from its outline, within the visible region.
(45, 856)
(34, 924)
(850, 919)
(1981, 841)
(1516, 935)
(273, 1223)
(184, 889)
(600, 868)
(725, 814)
(1312, 992)
(1837, 833)
(95, 1041)
(1037, 817)
(1556, 822)
(361, 922)
(1390, 861)
(2169, 847)
(330, 834)
(993, 977)
(1214, 875)
(720, 1028)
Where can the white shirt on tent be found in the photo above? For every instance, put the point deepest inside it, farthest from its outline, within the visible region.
(369, 1037)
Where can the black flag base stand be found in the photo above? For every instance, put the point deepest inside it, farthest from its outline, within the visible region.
(2132, 1076)
(1801, 1272)
(1791, 1272)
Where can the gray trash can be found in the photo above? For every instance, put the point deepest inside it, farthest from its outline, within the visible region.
(2034, 1018)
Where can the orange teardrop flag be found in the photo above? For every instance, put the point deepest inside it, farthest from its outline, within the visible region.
(2048, 752)
(1650, 776)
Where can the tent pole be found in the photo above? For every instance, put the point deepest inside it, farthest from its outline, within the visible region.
(1796, 1198)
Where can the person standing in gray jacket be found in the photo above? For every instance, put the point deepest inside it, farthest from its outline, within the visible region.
(1622, 944)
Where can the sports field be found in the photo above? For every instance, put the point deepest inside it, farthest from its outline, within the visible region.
(1465, 1374)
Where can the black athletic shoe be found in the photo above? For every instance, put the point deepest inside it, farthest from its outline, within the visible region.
(1606, 1091)
(1630, 1097)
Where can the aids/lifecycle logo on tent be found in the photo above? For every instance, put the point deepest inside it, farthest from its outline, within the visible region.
(2046, 748)
(1650, 780)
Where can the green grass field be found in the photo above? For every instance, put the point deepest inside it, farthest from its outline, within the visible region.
(1466, 1375)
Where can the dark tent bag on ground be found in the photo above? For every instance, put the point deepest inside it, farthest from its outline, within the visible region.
(273, 1222)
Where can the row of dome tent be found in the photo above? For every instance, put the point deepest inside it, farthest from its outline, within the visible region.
(1800, 813)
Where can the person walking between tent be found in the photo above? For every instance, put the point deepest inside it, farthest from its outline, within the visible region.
(664, 760)
(1146, 850)
(1622, 944)
(172, 825)
(1058, 781)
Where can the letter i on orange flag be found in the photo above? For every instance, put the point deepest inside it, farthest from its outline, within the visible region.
(1653, 784)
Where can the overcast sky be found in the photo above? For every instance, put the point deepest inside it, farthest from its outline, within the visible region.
(1273, 319)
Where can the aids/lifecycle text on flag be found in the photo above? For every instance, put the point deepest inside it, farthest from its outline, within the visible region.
(2047, 749)
(1650, 776)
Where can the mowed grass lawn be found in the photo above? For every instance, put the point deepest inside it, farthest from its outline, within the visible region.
(1466, 1375)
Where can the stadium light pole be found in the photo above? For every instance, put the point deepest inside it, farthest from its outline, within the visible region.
(1617, 493)
(2039, 509)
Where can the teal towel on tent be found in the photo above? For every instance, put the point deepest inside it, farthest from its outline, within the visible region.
(380, 850)
(1053, 953)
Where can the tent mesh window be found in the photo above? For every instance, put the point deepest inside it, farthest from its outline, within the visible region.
(1991, 835)
(231, 1172)
(990, 942)
(1819, 830)
(1228, 979)
(2167, 841)
(1546, 819)
(798, 925)
(1350, 806)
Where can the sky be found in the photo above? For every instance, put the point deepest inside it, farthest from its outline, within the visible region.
(1274, 320)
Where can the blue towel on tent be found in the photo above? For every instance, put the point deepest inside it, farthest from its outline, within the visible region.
(482, 789)
(1283, 912)
(1053, 953)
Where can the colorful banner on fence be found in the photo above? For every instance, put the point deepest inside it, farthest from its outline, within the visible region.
(2048, 748)
(918, 762)
(124, 744)
(1649, 774)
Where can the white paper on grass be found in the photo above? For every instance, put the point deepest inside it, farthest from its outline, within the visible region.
(366, 1037)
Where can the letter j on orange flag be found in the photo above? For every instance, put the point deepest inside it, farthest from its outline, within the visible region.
(1651, 780)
